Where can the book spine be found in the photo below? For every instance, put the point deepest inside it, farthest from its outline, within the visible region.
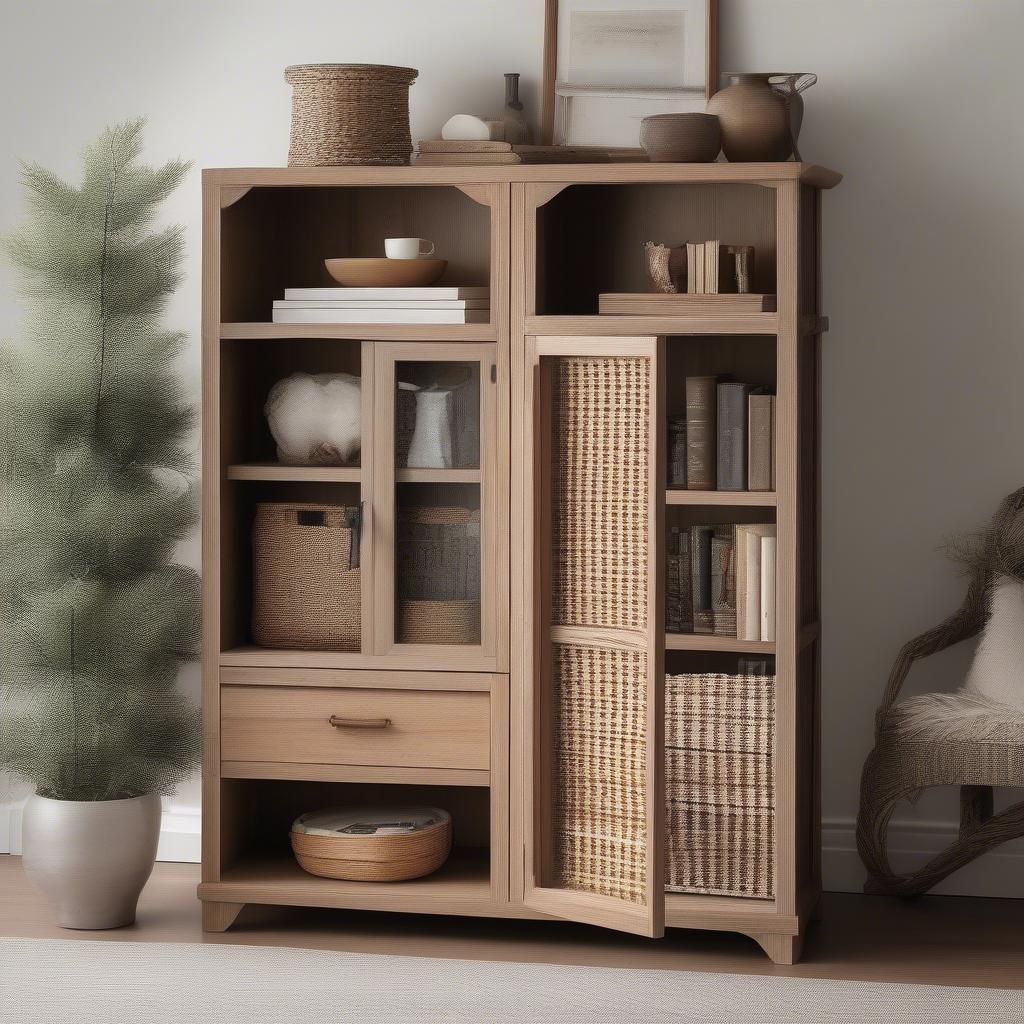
(701, 435)
(774, 452)
(761, 441)
(723, 580)
(703, 607)
(685, 582)
(691, 268)
(677, 452)
(672, 601)
(748, 583)
(732, 437)
(768, 547)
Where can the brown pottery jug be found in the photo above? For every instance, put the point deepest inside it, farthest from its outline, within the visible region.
(754, 117)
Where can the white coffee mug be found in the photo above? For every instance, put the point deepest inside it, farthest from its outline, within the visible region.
(408, 248)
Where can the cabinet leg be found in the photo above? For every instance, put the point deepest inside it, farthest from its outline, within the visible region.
(219, 917)
(781, 949)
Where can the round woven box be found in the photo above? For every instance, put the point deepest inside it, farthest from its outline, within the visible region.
(372, 844)
(349, 114)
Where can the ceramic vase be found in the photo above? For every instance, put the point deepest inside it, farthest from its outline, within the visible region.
(754, 119)
(516, 130)
(431, 444)
(91, 858)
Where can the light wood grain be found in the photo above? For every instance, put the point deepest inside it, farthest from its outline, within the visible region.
(263, 227)
(427, 728)
(354, 773)
(275, 471)
(766, 173)
(710, 642)
(757, 499)
(371, 680)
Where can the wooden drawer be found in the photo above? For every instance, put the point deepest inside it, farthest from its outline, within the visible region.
(424, 728)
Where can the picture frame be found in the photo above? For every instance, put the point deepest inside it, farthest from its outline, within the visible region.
(610, 63)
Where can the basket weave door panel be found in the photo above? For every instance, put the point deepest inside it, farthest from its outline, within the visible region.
(600, 463)
(600, 485)
(600, 796)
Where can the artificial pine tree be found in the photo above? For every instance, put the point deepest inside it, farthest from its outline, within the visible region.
(96, 489)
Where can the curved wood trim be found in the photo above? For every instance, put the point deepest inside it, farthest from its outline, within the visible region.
(482, 194)
(219, 917)
(230, 194)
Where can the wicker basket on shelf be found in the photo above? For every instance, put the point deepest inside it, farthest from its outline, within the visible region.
(349, 114)
(719, 788)
(305, 576)
(438, 557)
(373, 844)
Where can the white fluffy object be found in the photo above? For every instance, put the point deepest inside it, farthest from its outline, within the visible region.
(998, 668)
(315, 419)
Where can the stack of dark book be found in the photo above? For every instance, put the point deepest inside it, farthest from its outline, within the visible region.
(726, 440)
(720, 579)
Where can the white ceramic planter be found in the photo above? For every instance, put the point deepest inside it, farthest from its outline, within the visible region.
(91, 858)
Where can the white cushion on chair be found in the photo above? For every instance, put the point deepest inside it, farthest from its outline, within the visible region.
(998, 668)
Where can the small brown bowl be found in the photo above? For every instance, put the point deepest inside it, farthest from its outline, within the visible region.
(385, 273)
(681, 138)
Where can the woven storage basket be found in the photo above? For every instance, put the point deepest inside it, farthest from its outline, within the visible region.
(719, 790)
(349, 114)
(386, 844)
(305, 576)
(438, 560)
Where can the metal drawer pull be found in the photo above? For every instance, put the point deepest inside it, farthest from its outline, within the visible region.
(338, 722)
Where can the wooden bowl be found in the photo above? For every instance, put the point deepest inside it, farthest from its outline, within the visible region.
(385, 273)
(681, 138)
(350, 842)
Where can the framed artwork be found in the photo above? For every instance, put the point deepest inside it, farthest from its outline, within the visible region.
(610, 63)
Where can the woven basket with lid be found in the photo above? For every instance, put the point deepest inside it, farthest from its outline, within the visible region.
(349, 114)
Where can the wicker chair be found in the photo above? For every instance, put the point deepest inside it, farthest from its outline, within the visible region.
(915, 748)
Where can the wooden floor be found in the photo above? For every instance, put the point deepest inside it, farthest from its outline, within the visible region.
(934, 940)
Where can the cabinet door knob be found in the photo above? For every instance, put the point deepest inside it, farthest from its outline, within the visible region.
(340, 722)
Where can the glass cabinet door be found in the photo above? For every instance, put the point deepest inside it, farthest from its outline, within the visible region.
(435, 501)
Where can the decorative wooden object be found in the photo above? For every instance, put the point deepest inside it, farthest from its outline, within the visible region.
(484, 729)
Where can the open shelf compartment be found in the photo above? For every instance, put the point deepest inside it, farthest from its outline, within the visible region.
(273, 238)
(590, 237)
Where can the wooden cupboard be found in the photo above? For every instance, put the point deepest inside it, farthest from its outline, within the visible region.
(484, 729)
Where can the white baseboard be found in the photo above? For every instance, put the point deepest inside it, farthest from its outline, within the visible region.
(179, 833)
(5, 829)
(911, 844)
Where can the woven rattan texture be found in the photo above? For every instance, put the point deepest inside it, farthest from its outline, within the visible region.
(438, 565)
(719, 789)
(349, 114)
(600, 831)
(305, 590)
(600, 456)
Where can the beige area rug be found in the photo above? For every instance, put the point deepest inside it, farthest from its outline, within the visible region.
(58, 981)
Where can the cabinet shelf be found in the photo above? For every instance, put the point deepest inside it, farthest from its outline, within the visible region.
(623, 326)
(252, 331)
(437, 476)
(756, 499)
(298, 474)
(709, 642)
(455, 888)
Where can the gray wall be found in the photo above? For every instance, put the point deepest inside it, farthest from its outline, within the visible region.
(917, 104)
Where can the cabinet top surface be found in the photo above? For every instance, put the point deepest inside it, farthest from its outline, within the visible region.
(720, 172)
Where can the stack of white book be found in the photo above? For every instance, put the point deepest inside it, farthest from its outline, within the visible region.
(383, 306)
